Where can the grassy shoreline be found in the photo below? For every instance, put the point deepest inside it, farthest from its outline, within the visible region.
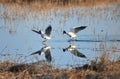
(102, 70)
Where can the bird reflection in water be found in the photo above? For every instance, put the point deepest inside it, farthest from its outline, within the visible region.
(45, 50)
(72, 48)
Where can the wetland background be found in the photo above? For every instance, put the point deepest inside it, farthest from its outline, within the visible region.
(99, 42)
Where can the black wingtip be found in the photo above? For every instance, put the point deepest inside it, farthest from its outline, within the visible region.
(34, 30)
(39, 32)
(83, 56)
(37, 52)
(83, 26)
(50, 27)
(32, 54)
(64, 50)
(64, 32)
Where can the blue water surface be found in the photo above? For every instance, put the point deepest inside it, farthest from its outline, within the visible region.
(102, 34)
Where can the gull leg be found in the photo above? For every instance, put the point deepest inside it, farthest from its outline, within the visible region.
(70, 40)
(43, 42)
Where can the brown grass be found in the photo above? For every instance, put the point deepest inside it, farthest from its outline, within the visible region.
(14, 9)
(19, 9)
(105, 69)
(48, 4)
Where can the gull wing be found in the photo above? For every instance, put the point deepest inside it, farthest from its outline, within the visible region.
(39, 32)
(77, 53)
(77, 29)
(37, 52)
(48, 55)
(48, 30)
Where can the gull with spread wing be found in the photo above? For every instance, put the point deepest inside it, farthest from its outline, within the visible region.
(45, 35)
(72, 33)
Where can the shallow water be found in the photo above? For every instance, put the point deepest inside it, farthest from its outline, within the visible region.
(102, 34)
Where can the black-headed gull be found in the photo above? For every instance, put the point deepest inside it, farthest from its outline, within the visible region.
(72, 33)
(46, 34)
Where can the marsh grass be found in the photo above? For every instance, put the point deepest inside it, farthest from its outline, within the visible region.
(59, 2)
(105, 69)
(20, 9)
(55, 4)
